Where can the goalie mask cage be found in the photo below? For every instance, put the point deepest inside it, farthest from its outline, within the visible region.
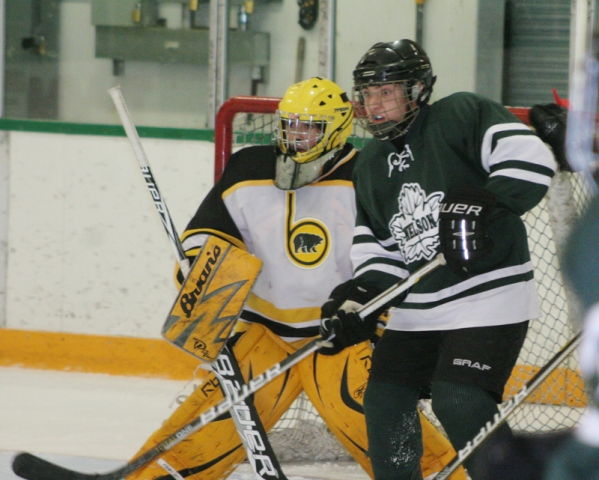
(300, 435)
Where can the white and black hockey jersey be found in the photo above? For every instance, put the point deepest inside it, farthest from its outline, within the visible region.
(303, 236)
(461, 140)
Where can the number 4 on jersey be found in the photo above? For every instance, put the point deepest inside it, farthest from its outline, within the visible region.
(211, 299)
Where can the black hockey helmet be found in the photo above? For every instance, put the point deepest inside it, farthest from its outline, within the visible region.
(399, 60)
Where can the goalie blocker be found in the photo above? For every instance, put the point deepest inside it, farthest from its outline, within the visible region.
(211, 299)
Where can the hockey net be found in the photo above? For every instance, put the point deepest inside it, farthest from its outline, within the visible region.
(301, 435)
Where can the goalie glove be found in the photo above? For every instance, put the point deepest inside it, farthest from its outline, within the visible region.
(463, 222)
(339, 316)
(549, 121)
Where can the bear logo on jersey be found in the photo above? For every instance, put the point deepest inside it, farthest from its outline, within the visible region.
(308, 241)
(416, 226)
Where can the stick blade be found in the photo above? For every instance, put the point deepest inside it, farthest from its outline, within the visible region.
(30, 467)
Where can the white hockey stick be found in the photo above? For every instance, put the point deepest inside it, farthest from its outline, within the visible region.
(140, 154)
(271, 468)
(509, 407)
(31, 467)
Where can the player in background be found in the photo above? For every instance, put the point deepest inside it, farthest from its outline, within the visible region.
(454, 177)
(293, 206)
(578, 457)
(571, 454)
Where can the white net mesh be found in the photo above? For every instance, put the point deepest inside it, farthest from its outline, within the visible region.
(301, 434)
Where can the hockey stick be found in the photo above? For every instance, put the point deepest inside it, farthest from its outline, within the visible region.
(260, 453)
(140, 154)
(509, 407)
(271, 468)
(31, 467)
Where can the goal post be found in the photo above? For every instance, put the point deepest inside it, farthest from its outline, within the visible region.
(225, 126)
(558, 403)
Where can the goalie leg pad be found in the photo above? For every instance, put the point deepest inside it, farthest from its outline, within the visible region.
(215, 450)
(336, 384)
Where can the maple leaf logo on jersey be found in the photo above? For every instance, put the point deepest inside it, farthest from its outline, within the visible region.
(416, 226)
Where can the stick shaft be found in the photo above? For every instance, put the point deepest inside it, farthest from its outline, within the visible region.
(402, 286)
(276, 370)
(140, 154)
(34, 468)
(268, 455)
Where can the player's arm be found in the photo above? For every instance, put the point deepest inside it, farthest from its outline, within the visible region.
(211, 218)
(520, 165)
(519, 169)
(377, 265)
(374, 253)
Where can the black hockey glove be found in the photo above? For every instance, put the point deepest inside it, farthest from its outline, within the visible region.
(550, 123)
(463, 222)
(339, 316)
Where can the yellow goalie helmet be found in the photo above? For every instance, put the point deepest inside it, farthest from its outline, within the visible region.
(313, 121)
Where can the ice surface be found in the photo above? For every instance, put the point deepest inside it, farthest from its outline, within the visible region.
(94, 423)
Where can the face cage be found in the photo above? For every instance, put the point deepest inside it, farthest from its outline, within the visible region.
(302, 137)
(370, 105)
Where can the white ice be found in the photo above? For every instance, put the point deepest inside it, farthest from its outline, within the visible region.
(95, 423)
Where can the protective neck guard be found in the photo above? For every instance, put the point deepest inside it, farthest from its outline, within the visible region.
(291, 175)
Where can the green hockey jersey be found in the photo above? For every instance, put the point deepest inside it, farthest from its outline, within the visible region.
(461, 140)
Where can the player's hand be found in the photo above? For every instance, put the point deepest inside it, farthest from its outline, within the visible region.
(339, 316)
(550, 121)
(463, 222)
(337, 297)
(349, 329)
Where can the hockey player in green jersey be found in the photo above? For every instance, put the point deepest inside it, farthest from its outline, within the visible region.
(454, 177)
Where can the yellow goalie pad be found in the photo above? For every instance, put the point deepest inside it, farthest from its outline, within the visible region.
(211, 299)
(215, 450)
(334, 384)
